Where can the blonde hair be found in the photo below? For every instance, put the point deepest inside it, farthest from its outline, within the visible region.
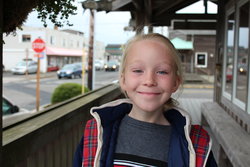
(175, 55)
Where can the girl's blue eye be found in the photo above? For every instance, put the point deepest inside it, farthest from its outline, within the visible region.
(162, 72)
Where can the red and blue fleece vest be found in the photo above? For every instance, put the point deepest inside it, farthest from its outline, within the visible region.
(198, 135)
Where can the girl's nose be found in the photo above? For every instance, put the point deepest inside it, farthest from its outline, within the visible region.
(149, 79)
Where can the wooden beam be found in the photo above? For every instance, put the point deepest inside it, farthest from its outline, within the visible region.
(97, 5)
(215, 1)
(162, 22)
(195, 16)
(165, 20)
(148, 11)
(195, 25)
(172, 7)
(117, 4)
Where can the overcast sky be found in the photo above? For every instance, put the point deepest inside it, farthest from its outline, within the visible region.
(108, 26)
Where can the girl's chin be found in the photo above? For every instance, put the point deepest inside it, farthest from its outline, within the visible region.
(149, 108)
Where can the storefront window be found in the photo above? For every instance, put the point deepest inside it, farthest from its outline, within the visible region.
(229, 53)
(52, 40)
(26, 38)
(243, 57)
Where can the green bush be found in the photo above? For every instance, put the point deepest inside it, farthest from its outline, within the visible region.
(66, 91)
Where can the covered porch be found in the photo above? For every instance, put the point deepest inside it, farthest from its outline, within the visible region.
(50, 137)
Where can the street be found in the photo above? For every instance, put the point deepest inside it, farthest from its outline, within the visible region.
(21, 90)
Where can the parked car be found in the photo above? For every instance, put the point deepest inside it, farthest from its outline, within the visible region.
(8, 108)
(25, 66)
(52, 68)
(112, 65)
(85, 65)
(70, 71)
(99, 65)
(242, 68)
(229, 75)
(11, 113)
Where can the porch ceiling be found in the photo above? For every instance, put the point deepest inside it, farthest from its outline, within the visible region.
(157, 13)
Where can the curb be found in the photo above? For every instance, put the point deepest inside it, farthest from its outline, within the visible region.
(43, 76)
(201, 86)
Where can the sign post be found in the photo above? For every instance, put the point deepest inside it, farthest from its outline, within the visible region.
(38, 45)
(27, 56)
(83, 71)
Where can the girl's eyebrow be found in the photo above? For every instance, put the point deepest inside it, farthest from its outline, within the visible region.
(140, 63)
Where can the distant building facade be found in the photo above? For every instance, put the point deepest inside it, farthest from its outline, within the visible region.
(199, 58)
(62, 47)
(113, 52)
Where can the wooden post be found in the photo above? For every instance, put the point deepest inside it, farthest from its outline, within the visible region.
(90, 51)
(150, 29)
(1, 80)
(205, 5)
(38, 83)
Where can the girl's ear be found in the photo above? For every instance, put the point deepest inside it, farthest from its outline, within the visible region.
(122, 81)
(123, 85)
(176, 84)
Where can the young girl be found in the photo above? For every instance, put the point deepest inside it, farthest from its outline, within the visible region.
(147, 128)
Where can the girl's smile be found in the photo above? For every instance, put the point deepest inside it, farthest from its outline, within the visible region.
(149, 93)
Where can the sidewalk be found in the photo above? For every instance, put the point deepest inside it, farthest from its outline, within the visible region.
(44, 75)
(8, 77)
(192, 80)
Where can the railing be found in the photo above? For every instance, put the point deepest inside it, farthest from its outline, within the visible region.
(49, 138)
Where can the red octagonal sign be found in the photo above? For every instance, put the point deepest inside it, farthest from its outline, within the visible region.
(38, 45)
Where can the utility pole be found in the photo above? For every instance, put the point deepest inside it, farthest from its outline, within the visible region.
(90, 51)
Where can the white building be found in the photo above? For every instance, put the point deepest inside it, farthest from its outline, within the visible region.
(62, 47)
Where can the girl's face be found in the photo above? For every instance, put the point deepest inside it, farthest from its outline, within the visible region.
(149, 77)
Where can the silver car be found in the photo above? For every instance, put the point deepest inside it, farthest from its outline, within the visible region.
(23, 66)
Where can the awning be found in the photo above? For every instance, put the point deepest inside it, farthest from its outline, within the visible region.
(63, 52)
(182, 44)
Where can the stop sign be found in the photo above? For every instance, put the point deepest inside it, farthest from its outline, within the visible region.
(38, 45)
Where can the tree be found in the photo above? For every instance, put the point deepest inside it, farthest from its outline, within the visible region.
(16, 12)
(54, 10)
